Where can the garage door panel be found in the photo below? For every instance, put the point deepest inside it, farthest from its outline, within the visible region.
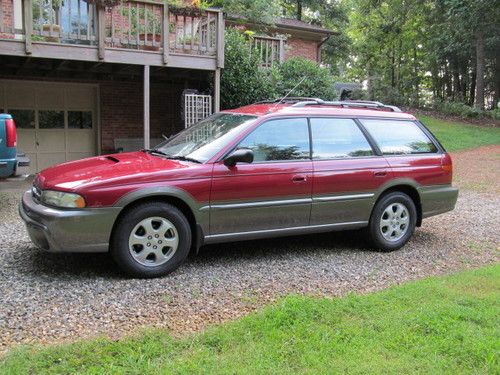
(26, 140)
(50, 97)
(46, 160)
(51, 141)
(81, 141)
(79, 155)
(82, 98)
(19, 96)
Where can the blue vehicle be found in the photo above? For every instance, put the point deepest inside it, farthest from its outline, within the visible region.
(10, 161)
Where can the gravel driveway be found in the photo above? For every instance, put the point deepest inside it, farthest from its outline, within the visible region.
(52, 298)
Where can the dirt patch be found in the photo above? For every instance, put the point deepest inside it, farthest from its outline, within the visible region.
(478, 169)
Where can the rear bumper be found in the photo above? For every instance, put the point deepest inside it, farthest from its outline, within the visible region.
(7, 167)
(437, 199)
(59, 230)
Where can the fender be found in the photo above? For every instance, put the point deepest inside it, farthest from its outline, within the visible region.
(200, 213)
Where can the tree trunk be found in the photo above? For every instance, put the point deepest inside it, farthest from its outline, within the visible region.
(496, 96)
(480, 61)
(472, 88)
(299, 10)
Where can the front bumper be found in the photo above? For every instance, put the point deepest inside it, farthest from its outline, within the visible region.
(437, 199)
(68, 230)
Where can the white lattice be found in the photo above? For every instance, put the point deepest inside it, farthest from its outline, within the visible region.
(196, 108)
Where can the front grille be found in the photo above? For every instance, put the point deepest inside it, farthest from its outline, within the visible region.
(36, 192)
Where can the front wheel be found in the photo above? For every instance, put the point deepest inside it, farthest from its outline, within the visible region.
(151, 240)
(392, 222)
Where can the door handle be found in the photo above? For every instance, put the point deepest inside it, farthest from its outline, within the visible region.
(299, 178)
(380, 174)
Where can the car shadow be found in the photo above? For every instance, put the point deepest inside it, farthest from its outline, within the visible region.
(80, 265)
(331, 242)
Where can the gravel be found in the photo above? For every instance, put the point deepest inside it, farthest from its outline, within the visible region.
(47, 298)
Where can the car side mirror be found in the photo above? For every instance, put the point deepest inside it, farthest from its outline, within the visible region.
(242, 155)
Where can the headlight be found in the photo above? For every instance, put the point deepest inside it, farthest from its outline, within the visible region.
(61, 199)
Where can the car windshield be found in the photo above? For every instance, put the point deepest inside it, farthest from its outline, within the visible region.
(202, 141)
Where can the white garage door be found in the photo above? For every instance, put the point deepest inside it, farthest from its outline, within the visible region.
(56, 122)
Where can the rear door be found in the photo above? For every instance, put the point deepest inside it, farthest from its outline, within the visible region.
(347, 172)
(273, 192)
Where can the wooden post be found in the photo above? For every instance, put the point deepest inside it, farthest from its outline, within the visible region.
(28, 25)
(101, 27)
(220, 39)
(146, 108)
(166, 33)
(282, 50)
(217, 90)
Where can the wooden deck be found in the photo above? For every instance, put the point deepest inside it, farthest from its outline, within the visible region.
(142, 32)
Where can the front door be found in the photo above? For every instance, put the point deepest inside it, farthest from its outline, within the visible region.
(347, 172)
(273, 192)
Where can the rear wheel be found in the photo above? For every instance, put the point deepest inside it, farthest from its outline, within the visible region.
(151, 240)
(392, 222)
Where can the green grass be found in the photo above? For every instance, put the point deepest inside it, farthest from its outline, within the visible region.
(456, 136)
(439, 325)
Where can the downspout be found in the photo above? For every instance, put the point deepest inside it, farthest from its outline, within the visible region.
(318, 52)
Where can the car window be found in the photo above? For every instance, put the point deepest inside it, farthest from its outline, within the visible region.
(278, 140)
(397, 137)
(338, 138)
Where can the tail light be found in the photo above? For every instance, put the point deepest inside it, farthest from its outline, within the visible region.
(446, 163)
(10, 130)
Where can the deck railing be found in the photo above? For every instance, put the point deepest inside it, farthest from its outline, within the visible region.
(148, 25)
(268, 49)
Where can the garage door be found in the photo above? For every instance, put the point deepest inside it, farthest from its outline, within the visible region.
(56, 122)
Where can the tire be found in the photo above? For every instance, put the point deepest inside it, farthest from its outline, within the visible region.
(391, 232)
(151, 240)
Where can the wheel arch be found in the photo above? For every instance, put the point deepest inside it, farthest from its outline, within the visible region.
(409, 189)
(178, 198)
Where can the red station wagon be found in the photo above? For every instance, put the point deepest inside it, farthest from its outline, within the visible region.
(270, 169)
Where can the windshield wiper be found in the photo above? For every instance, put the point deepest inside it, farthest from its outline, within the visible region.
(155, 151)
(172, 157)
(183, 158)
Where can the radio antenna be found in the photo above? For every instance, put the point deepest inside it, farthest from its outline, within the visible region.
(288, 93)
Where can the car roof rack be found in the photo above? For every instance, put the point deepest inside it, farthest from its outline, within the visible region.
(290, 99)
(347, 104)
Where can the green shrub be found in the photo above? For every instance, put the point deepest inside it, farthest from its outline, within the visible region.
(318, 81)
(242, 81)
(458, 109)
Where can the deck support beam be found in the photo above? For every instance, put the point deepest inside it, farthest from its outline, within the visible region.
(147, 136)
(217, 90)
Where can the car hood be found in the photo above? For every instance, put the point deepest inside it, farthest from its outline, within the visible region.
(109, 170)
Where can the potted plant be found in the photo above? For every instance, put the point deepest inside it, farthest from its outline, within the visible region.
(104, 3)
(145, 33)
(48, 19)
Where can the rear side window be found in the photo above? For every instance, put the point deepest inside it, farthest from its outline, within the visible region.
(279, 140)
(399, 137)
(338, 138)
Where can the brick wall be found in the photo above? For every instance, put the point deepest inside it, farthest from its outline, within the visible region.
(122, 111)
(301, 48)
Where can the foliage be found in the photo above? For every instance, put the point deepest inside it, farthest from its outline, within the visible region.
(261, 11)
(457, 136)
(315, 81)
(438, 325)
(242, 82)
(425, 50)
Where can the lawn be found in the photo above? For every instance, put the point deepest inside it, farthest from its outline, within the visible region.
(438, 325)
(456, 136)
